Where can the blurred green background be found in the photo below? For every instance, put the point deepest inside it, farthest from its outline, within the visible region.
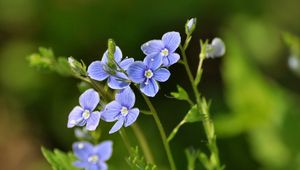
(255, 96)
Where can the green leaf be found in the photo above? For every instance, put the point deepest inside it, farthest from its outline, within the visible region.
(181, 94)
(45, 60)
(59, 160)
(138, 162)
(193, 115)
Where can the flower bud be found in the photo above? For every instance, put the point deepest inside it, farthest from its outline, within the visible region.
(190, 26)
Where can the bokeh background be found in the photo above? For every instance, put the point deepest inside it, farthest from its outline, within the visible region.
(255, 96)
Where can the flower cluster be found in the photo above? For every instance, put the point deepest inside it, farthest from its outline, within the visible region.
(160, 54)
(120, 74)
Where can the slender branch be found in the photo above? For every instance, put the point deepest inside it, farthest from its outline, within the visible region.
(162, 132)
(143, 142)
(203, 107)
(125, 139)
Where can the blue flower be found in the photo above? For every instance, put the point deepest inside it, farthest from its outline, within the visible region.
(121, 110)
(92, 157)
(147, 73)
(99, 70)
(85, 114)
(165, 47)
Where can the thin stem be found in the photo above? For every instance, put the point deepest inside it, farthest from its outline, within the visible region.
(162, 132)
(125, 139)
(202, 106)
(143, 142)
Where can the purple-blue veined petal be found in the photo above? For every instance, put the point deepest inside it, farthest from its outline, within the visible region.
(89, 99)
(111, 111)
(171, 40)
(117, 126)
(153, 61)
(150, 89)
(82, 150)
(161, 74)
(81, 164)
(118, 81)
(131, 116)
(153, 46)
(126, 63)
(136, 72)
(104, 150)
(75, 116)
(170, 59)
(93, 121)
(93, 167)
(117, 55)
(126, 97)
(96, 71)
(102, 165)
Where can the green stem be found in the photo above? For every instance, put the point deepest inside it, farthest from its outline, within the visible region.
(202, 107)
(125, 139)
(143, 142)
(162, 132)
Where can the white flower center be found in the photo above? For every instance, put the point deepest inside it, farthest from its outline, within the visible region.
(80, 146)
(93, 159)
(124, 111)
(86, 114)
(148, 74)
(165, 52)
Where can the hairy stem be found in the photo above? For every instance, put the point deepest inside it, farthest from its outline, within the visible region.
(162, 132)
(203, 108)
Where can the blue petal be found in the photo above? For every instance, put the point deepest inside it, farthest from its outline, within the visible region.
(104, 150)
(153, 61)
(153, 46)
(170, 59)
(150, 89)
(162, 75)
(81, 164)
(126, 63)
(171, 40)
(111, 112)
(118, 81)
(103, 166)
(82, 150)
(89, 99)
(96, 71)
(93, 167)
(117, 125)
(136, 72)
(126, 97)
(93, 121)
(75, 116)
(117, 55)
(131, 116)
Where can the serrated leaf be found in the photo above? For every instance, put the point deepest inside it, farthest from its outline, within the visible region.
(138, 162)
(181, 94)
(59, 160)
